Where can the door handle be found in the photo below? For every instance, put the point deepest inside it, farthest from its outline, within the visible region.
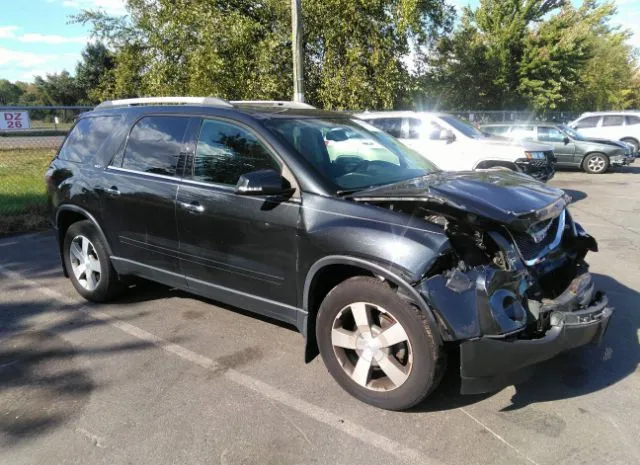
(113, 190)
(193, 207)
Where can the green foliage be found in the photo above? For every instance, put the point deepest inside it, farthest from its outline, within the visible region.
(536, 54)
(239, 49)
(96, 62)
(9, 93)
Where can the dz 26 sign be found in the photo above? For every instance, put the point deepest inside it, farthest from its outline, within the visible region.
(14, 120)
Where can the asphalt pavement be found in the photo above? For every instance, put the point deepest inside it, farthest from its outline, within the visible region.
(162, 377)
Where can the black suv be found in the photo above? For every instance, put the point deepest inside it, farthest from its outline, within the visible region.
(379, 259)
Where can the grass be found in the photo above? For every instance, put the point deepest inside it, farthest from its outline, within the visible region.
(23, 201)
(39, 124)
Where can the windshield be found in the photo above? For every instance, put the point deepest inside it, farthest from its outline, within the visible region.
(571, 132)
(463, 127)
(350, 153)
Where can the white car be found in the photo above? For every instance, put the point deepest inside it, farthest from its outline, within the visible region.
(620, 125)
(454, 145)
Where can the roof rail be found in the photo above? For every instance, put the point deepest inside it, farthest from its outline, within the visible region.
(213, 101)
(274, 103)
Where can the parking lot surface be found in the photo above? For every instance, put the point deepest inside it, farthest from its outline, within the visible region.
(161, 377)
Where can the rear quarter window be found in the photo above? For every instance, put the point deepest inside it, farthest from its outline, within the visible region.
(88, 138)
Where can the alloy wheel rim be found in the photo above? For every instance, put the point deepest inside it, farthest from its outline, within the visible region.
(85, 263)
(372, 347)
(596, 164)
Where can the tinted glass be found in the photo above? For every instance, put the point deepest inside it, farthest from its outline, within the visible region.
(632, 120)
(588, 122)
(87, 138)
(391, 126)
(613, 120)
(225, 152)
(550, 134)
(363, 156)
(414, 126)
(154, 145)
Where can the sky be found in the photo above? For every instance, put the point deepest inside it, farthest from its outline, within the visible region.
(36, 37)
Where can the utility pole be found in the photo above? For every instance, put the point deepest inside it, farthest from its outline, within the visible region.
(298, 59)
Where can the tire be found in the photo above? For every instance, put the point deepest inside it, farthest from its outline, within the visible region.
(595, 163)
(86, 259)
(634, 142)
(358, 357)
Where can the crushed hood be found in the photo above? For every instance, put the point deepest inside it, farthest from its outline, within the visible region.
(613, 143)
(498, 195)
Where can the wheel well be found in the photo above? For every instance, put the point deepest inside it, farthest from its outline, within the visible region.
(323, 281)
(484, 164)
(65, 219)
(633, 139)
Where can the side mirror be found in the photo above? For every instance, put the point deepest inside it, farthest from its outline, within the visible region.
(566, 140)
(263, 182)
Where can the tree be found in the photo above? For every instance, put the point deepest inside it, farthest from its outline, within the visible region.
(239, 49)
(535, 54)
(96, 62)
(9, 93)
(58, 89)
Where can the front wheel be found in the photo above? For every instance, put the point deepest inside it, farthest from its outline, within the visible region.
(378, 346)
(596, 163)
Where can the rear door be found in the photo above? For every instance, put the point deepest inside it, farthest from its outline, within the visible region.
(589, 126)
(612, 127)
(139, 191)
(236, 246)
(565, 151)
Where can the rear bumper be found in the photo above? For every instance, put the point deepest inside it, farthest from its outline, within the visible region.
(488, 364)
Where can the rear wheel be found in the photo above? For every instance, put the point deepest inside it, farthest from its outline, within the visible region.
(376, 345)
(88, 264)
(596, 163)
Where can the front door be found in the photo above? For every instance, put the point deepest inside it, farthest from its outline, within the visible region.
(139, 191)
(239, 249)
(564, 147)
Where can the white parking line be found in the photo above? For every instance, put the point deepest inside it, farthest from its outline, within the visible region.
(381, 442)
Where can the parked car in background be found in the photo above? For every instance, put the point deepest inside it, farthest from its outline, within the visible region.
(570, 147)
(454, 145)
(379, 264)
(622, 125)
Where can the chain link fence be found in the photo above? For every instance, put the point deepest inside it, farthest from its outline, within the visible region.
(36, 127)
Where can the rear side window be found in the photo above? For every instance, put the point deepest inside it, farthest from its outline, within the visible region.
(154, 145)
(392, 126)
(613, 120)
(588, 122)
(632, 120)
(87, 138)
(226, 151)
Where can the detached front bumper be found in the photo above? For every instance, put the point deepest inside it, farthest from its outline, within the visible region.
(488, 364)
(622, 160)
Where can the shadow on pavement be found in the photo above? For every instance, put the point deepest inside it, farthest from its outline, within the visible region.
(571, 374)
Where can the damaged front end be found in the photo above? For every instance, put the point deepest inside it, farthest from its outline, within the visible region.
(510, 293)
